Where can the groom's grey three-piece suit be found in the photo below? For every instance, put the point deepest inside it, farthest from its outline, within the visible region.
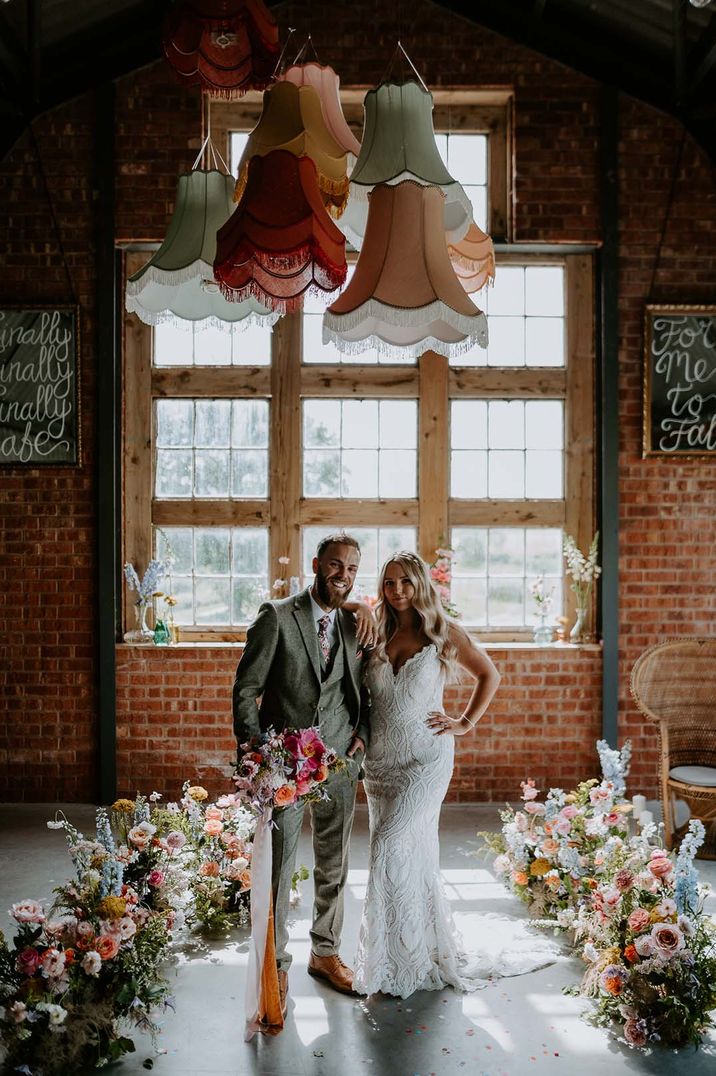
(283, 681)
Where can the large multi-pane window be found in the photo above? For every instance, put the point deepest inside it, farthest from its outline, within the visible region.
(244, 447)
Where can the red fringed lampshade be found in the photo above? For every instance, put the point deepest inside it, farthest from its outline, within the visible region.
(280, 241)
(228, 46)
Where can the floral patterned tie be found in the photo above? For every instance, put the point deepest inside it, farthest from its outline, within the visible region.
(323, 640)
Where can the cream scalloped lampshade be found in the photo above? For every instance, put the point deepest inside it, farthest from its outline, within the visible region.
(404, 295)
(473, 259)
(178, 281)
(398, 144)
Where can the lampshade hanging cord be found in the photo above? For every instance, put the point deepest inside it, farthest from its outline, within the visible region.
(400, 49)
(308, 43)
(279, 63)
(210, 154)
(667, 214)
(55, 222)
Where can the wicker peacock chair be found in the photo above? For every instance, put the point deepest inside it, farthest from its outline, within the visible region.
(674, 685)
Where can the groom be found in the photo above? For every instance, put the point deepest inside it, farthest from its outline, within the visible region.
(302, 658)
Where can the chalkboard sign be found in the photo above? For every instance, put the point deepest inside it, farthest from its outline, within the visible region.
(39, 399)
(680, 381)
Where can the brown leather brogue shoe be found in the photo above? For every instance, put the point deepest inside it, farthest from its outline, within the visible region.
(333, 971)
(283, 991)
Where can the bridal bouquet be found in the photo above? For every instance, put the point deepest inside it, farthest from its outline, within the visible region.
(650, 948)
(212, 843)
(551, 852)
(81, 972)
(285, 767)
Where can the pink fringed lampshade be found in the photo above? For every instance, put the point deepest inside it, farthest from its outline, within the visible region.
(326, 83)
(404, 295)
(473, 259)
(227, 46)
(280, 241)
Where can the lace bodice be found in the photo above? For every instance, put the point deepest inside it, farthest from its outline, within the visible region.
(401, 703)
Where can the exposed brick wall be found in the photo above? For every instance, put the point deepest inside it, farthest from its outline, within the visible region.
(174, 721)
(546, 715)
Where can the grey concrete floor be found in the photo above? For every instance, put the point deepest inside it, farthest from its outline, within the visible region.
(514, 1026)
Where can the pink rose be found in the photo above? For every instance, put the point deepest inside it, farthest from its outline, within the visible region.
(175, 840)
(600, 795)
(644, 945)
(532, 807)
(214, 812)
(126, 928)
(156, 878)
(638, 920)
(28, 911)
(107, 946)
(660, 867)
(226, 801)
(613, 818)
(28, 961)
(635, 1031)
(53, 963)
(570, 811)
(611, 898)
(667, 939)
(624, 880)
(303, 785)
(562, 827)
(213, 827)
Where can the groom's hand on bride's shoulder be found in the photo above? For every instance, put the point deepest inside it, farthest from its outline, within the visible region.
(366, 627)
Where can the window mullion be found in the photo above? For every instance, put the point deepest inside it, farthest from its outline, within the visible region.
(433, 449)
(285, 446)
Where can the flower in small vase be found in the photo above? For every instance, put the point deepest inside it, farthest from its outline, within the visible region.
(584, 571)
(441, 575)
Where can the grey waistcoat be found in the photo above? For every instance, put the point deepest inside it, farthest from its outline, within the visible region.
(333, 716)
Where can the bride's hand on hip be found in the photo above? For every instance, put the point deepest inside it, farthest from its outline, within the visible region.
(442, 724)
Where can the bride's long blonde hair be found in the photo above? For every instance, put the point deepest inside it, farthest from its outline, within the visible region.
(426, 603)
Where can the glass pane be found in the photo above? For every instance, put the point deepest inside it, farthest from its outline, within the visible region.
(249, 424)
(470, 551)
(321, 473)
(507, 341)
(237, 144)
(544, 474)
(211, 473)
(247, 594)
(544, 422)
(470, 598)
(314, 350)
(393, 540)
(212, 423)
(183, 591)
(249, 553)
(506, 475)
(507, 297)
(173, 343)
(544, 341)
(506, 424)
(398, 473)
(178, 543)
(250, 344)
(359, 473)
(544, 290)
(249, 473)
(173, 475)
(211, 546)
(212, 345)
(211, 598)
(543, 552)
(441, 141)
(321, 422)
(478, 197)
(467, 158)
(474, 356)
(505, 603)
(360, 424)
(468, 424)
(507, 551)
(468, 474)
(175, 422)
(398, 424)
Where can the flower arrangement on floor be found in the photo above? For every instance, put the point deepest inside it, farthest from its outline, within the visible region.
(650, 949)
(441, 575)
(549, 852)
(212, 843)
(77, 976)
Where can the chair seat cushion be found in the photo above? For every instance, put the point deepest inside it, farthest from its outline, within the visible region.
(705, 776)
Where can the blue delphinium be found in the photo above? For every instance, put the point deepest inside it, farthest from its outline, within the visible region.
(686, 886)
(615, 764)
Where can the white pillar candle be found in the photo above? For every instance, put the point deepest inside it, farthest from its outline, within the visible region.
(645, 817)
(639, 805)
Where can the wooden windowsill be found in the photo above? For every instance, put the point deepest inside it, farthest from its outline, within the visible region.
(224, 645)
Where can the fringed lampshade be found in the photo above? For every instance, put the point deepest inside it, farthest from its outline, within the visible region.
(227, 46)
(404, 296)
(280, 240)
(178, 281)
(292, 119)
(326, 83)
(473, 259)
(398, 144)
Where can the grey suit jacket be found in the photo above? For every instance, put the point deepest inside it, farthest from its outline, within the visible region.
(281, 668)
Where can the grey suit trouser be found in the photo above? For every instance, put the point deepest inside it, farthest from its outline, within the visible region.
(331, 823)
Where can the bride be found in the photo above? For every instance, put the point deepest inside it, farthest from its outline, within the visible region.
(408, 940)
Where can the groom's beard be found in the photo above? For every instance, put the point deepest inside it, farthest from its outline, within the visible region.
(331, 596)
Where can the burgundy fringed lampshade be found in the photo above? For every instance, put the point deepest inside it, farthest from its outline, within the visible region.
(227, 46)
(280, 241)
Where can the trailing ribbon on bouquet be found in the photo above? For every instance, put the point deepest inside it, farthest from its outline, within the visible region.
(262, 1001)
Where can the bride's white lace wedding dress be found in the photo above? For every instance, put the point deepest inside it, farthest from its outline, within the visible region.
(408, 940)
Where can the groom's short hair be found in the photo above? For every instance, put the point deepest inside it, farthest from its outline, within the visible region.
(339, 538)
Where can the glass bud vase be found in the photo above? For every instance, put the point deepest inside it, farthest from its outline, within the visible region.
(543, 631)
(142, 633)
(577, 634)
